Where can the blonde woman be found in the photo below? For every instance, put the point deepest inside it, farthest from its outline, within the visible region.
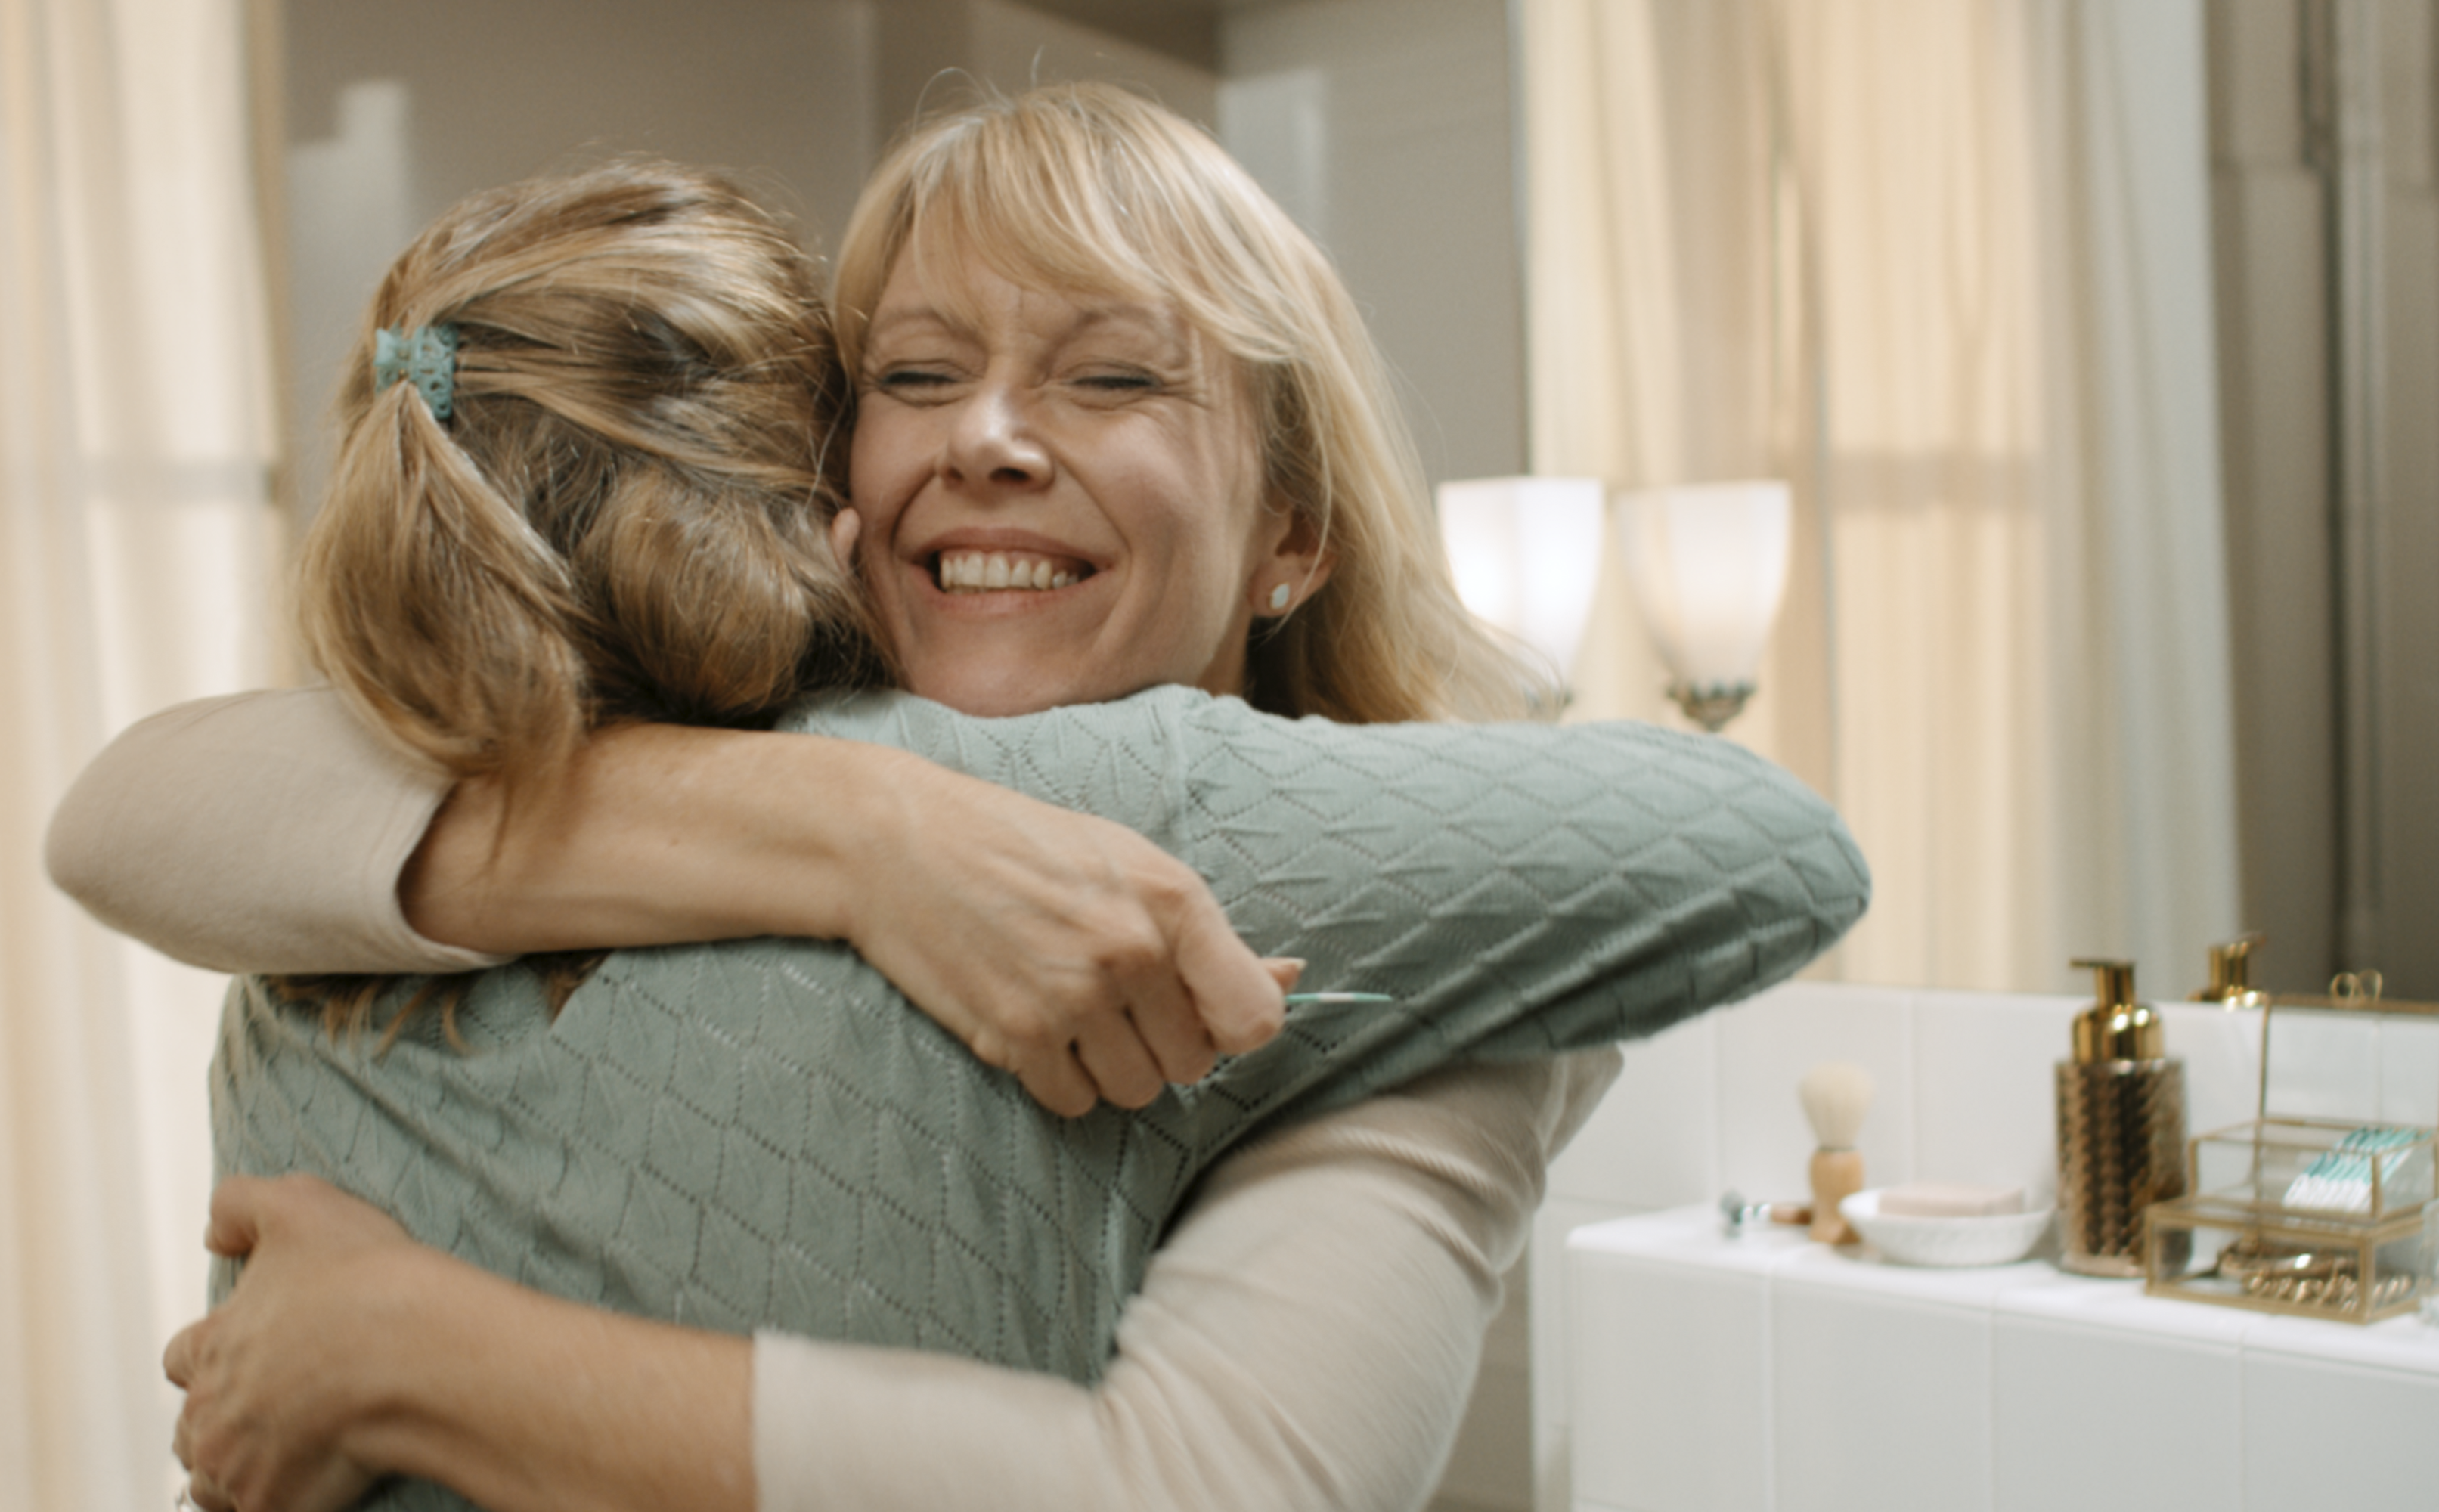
(1095, 353)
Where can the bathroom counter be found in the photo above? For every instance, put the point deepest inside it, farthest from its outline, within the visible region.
(1772, 1374)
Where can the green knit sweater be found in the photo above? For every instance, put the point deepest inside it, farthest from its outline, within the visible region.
(764, 1133)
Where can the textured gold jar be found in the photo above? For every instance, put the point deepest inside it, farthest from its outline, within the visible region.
(2121, 1127)
(2121, 1136)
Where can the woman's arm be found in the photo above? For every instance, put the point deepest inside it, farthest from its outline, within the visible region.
(259, 832)
(268, 833)
(1305, 1339)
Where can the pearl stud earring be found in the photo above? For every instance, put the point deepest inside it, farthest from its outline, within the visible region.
(1279, 597)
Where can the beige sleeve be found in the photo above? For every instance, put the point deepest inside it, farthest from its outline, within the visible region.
(258, 833)
(1305, 1339)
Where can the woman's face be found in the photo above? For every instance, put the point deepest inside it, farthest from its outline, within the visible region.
(1061, 497)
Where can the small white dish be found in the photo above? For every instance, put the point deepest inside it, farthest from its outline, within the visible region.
(1998, 1238)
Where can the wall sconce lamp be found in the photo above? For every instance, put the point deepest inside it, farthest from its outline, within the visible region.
(1708, 564)
(1527, 553)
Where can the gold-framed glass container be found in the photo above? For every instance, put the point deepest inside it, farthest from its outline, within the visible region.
(2312, 1216)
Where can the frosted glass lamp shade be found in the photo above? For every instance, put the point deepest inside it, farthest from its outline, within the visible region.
(1708, 565)
(1527, 553)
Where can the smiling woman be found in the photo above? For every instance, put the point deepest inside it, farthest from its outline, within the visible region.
(1050, 481)
(1127, 335)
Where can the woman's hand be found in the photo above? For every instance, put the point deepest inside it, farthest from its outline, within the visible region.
(274, 1379)
(1061, 947)
(348, 1351)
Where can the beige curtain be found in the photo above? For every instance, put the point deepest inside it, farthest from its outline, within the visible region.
(134, 541)
(1944, 265)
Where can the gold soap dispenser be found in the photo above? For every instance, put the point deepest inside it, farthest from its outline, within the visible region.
(2231, 974)
(2121, 1127)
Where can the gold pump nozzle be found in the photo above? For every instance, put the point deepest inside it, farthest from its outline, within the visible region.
(2116, 1027)
(2230, 974)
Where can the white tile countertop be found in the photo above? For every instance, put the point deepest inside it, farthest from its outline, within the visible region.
(1768, 1373)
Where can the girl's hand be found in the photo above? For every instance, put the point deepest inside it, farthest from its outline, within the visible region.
(274, 1377)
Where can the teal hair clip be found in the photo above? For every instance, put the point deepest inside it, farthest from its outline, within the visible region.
(426, 357)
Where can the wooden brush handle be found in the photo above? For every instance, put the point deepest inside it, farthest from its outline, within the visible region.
(1837, 1174)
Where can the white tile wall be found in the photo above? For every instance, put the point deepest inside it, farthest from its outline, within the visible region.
(2321, 1065)
(2409, 1070)
(1854, 1370)
(2300, 1417)
(1963, 1093)
(1765, 1048)
(1553, 1472)
(1985, 1099)
(2223, 1056)
(1654, 1140)
(1772, 1374)
(2087, 1416)
(1710, 1348)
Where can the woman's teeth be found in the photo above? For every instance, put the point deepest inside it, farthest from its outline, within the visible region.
(977, 572)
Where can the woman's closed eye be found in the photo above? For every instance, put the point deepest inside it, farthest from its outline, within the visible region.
(1099, 384)
(911, 380)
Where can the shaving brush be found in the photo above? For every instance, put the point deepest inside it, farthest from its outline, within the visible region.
(1836, 1096)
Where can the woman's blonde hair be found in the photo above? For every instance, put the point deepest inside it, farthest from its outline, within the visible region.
(625, 513)
(1087, 187)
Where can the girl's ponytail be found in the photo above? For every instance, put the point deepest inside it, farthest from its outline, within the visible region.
(583, 476)
(434, 605)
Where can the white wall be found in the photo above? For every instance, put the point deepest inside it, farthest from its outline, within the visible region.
(1408, 181)
(1013, 47)
(393, 112)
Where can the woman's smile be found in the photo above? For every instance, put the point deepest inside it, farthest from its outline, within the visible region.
(982, 571)
(1062, 497)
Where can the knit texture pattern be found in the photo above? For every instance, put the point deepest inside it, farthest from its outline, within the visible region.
(765, 1134)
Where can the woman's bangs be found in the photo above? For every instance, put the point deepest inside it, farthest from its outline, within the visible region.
(1044, 230)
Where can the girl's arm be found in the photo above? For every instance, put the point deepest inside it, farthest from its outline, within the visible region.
(270, 833)
(1306, 1338)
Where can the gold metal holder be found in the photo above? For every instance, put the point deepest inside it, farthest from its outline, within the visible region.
(2301, 1215)
(1714, 705)
(2237, 1254)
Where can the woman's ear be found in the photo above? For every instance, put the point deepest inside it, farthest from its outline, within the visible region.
(845, 526)
(1293, 569)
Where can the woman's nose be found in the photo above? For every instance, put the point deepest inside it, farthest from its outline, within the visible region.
(992, 438)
